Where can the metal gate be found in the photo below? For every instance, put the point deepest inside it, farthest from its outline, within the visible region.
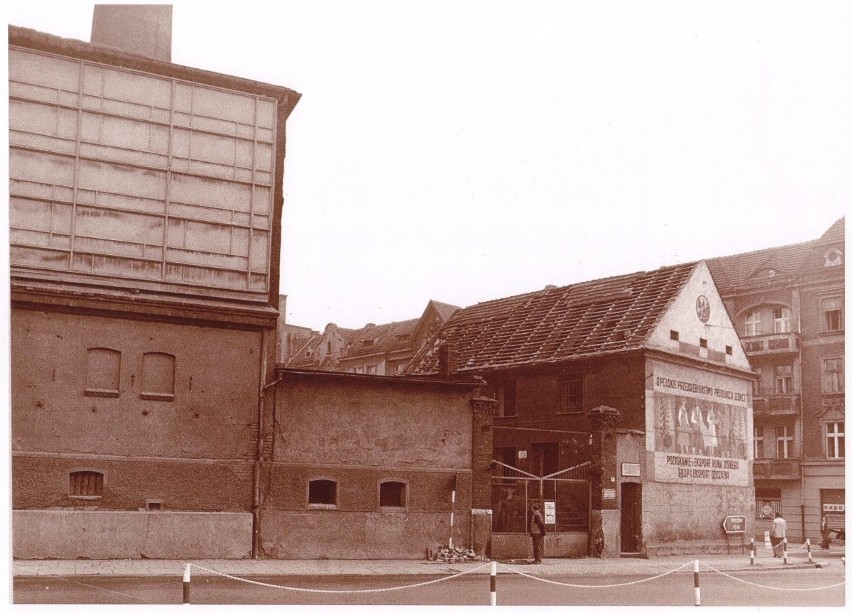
(514, 491)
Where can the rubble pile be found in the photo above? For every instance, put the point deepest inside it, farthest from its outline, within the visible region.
(453, 554)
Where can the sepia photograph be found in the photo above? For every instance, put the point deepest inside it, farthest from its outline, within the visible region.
(426, 303)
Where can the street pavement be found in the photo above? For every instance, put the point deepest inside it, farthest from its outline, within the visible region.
(797, 557)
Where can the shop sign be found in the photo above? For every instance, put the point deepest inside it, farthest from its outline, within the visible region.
(833, 508)
(608, 494)
(629, 469)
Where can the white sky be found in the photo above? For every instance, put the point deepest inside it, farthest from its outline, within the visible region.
(465, 151)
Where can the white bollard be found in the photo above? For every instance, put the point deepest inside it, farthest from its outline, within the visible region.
(697, 584)
(186, 568)
(808, 543)
(751, 553)
(493, 584)
(784, 548)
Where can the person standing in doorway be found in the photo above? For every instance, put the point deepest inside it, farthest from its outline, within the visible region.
(537, 532)
(778, 534)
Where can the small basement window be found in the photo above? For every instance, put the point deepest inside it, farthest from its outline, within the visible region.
(703, 343)
(392, 494)
(674, 335)
(729, 350)
(322, 492)
(86, 484)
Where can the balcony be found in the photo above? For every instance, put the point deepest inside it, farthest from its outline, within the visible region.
(778, 468)
(777, 404)
(771, 344)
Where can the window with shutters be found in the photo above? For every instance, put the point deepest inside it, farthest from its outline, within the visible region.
(86, 484)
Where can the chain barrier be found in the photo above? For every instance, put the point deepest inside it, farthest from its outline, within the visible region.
(552, 582)
(493, 566)
(770, 587)
(319, 591)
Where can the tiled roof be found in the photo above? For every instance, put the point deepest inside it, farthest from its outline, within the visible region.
(445, 311)
(557, 324)
(742, 269)
(837, 231)
(372, 339)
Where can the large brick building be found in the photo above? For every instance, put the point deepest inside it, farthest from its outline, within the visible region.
(145, 230)
(787, 304)
(637, 384)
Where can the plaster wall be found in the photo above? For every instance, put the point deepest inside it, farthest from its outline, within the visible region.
(681, 518)
(109, 535)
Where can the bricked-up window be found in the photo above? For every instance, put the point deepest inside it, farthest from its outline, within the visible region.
(572, 392)
(158, 376)
(86, 484)
(835, 439)
(103, 369)
(832, 312)
(322, 492)
(832, 375)
(509, 405)
(752, 323)
(392, 494)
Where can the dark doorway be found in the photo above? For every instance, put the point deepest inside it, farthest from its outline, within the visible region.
(631, 517)
(546, 462)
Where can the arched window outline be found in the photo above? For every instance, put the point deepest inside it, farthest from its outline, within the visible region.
(103, 372)
(158, 376)
(393, 494)
(322, 493)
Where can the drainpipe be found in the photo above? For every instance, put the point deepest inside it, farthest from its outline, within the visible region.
(255, 506)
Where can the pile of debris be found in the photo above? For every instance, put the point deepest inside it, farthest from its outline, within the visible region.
(453, 554)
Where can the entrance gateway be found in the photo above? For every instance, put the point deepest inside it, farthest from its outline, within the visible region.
(565, 499)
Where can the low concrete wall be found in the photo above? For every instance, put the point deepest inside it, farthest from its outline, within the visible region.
(105, 535)
(341, 535)
(559, 545)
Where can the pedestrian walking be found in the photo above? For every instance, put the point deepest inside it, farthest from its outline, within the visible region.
(537, 532)
(778, 534)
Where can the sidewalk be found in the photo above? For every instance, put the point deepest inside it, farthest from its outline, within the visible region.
(796, 558)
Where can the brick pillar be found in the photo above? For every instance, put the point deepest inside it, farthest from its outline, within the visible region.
(482, 452)
(605, 519)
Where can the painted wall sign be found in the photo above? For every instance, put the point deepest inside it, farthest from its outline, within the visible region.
(629, 469)
(699, 426)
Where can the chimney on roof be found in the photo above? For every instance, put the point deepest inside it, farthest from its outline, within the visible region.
(448, 360)
(142, 29)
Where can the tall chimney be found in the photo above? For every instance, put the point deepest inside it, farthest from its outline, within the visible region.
(143, 29)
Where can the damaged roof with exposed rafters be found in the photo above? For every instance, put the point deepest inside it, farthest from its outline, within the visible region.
(553, 325)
